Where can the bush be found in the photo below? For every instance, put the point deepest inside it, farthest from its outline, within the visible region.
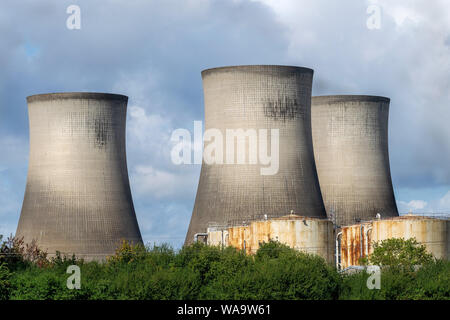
(204, 272)
(407, 272)
(284, 273)
(400, 254)
(16, 254)
(431, 281)
(5, 285)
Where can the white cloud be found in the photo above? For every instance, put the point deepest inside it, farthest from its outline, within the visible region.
(401, 11)
(152, 173)
(413, 205)
(148, 133)
(437, 206)
(153, 183)
(408, 60)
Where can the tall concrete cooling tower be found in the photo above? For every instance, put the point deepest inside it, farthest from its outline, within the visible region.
(254, 98)
(78, 199)
(350, 138)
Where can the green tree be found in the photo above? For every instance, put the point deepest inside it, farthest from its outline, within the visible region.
(400, 254)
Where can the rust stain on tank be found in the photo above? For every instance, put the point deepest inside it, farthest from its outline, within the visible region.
(354, 244)
(311, 235)
(431, 232)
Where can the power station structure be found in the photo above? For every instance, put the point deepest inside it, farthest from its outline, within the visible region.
(356, 241)
(237, 206)
(276, 166)
(253, 100)
(350, 139)
(311, 235)
(78, 199)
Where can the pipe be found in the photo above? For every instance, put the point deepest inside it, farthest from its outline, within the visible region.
(245, 244)
(366, 240)
(361, 240)
(338, 251)
(199, 235)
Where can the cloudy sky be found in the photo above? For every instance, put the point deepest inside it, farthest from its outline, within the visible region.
(153, 51)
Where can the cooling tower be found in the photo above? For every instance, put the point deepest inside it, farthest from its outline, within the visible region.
(254, 98)
(350, 138)
(78, 199)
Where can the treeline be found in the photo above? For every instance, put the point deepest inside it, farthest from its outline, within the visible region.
(204, 272)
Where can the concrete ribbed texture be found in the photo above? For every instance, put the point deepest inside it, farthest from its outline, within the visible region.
(78, 198)
(350, 138)
(258, 97)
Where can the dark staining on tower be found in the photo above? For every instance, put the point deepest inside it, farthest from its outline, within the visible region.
(283, 108)
(102, 130)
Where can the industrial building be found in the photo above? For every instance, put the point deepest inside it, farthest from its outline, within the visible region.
(236, 206)
(78, 199)
(332, 171)
(252, 98)
(344, 246)
(350, 140)
(356, 241)
(310, 235)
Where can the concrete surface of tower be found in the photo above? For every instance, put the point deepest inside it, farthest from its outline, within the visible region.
(253, 98)
(350, 139)
(78, 199)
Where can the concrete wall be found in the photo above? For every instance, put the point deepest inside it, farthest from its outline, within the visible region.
(306, 234)
(78, 198)
(433, 233)
(258, 97)
(350, 138)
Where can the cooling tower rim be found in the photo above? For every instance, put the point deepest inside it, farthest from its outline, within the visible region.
(76, 95)
(346, 98)
(255, 67)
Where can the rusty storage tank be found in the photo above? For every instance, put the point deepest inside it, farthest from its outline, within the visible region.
(257, 98)
(311, 235)
(78, 199)
(357, 240)
(350, 139)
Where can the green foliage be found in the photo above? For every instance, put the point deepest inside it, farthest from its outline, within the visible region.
(273, 250)
(408, 272)
(16, 254)
(204, 272)
(128, 253)
(431, 281)
(294, 275)
(400, 254)
(5, 285)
